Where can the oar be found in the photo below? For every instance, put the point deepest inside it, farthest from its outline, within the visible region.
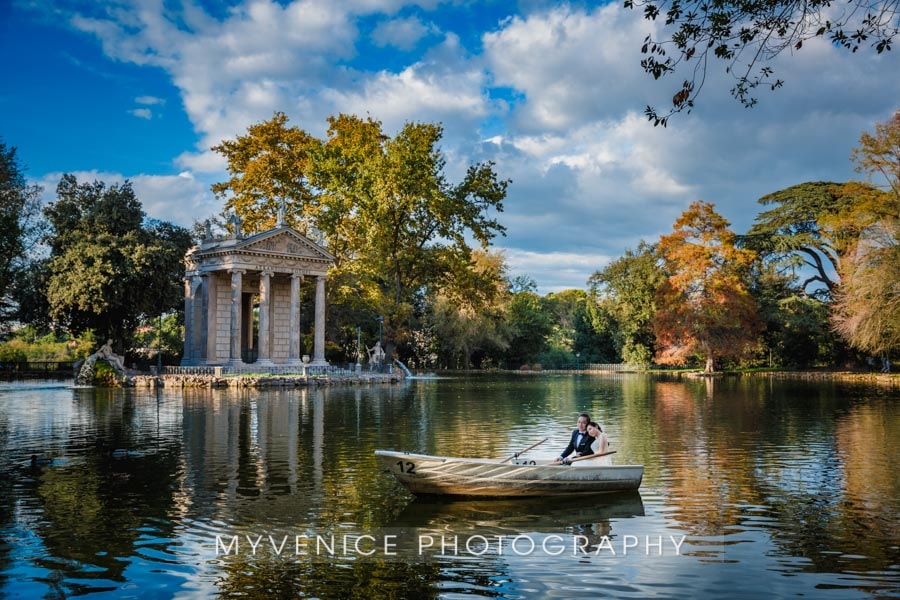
(592, 456)
(516, 455)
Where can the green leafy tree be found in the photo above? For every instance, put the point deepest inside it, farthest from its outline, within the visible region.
(809, 228)
(395, 224)
(523, 283)
(797, 328)
(746, 36)
(530, 325)
(18, 209)
(155, 335)
(31, 344)
(704, 307)
(388, 206)
(469, 317)
(624, 302)
(572, 338)
(108, 269)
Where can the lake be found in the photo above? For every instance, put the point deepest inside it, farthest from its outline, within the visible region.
(752, 486)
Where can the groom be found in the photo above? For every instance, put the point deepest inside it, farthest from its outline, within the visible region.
(581, 441)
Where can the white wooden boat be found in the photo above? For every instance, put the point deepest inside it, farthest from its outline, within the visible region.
(424, 474)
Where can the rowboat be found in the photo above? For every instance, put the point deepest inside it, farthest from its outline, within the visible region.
(423, 474)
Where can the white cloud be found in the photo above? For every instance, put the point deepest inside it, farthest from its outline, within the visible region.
(557, 93)
(554, 271)
(424, 92)
(571, 65)
(237, 71)
(590, 173)
(179, 199)
(141, 113)
(149, 100)
(403, 34)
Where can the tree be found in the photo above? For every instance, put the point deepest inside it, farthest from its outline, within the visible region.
(624, 301)
(469, 316)
(270, 167)
(18, 207)
(867, 306)
(387, 212)
(523, 283)
(529, 324)
(798, 330)
(573, 339)
(108, 268)
(880, 154)
(809, 226)
(704, 308)
(746, 36)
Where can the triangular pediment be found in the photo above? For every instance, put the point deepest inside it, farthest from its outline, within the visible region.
(283, 241)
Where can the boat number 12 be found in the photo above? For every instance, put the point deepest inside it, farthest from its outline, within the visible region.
(408, 467)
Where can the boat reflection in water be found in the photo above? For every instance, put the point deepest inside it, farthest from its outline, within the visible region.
(534, 514)
(589, 518)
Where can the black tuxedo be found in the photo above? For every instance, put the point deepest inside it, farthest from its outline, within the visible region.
(582, 449)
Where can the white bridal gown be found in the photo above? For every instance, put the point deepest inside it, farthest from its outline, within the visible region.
(595, 448)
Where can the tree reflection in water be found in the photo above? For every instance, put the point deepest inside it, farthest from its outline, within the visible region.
(768, 479)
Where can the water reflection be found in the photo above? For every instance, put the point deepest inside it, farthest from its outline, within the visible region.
(589, 517)
(765, 478)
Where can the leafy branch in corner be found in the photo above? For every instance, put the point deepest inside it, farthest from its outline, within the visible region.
(748, 34)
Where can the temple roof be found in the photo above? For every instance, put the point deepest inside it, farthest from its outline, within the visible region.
(281, 249)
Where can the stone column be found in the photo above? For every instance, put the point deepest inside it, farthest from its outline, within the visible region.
(237, 286)
(211, 330)
(294, 353)
(319, 339)
(188, 356)
(246, 323)
(265, 292)
(196, 318)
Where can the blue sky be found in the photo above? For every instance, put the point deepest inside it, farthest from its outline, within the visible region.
(552, 92)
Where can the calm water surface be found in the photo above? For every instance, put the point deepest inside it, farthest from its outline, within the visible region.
(782, 488)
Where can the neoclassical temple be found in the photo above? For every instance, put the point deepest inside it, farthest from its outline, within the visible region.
(242, 298)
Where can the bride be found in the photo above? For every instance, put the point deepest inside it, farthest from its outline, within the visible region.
(598, 446)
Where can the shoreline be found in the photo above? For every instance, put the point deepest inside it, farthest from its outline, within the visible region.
(261, 380)
(258, 381)
(809, 375)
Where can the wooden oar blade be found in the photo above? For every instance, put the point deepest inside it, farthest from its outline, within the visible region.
(517, 454)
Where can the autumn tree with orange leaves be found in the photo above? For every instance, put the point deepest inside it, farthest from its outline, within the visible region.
(704, 307)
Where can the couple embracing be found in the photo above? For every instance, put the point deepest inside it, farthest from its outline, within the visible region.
(588, 443)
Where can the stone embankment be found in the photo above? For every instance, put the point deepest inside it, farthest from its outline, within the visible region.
(257, 381)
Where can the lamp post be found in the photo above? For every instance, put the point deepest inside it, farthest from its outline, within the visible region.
(380, 345)
(159, 347)
(358, 351)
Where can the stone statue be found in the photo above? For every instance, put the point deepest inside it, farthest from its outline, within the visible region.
(236, 223)
(106, 352)
(85, 370)
(376, 354)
